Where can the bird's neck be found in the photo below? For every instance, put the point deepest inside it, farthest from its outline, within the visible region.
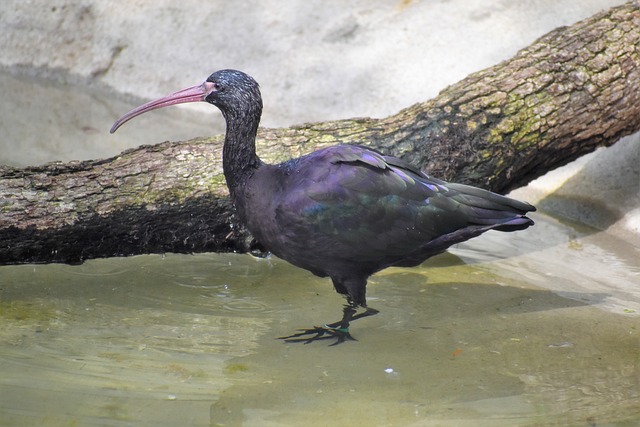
(239, 158)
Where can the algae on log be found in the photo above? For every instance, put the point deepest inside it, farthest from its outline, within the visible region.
(571, 91)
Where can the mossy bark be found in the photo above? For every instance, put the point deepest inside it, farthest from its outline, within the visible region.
(571, 91)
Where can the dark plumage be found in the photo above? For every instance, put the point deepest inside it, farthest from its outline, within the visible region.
(345, 211)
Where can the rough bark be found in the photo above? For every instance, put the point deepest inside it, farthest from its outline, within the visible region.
(571, 91)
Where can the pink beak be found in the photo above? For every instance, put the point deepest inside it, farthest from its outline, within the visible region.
(192, 94)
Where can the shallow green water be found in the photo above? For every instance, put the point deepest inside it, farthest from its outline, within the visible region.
(536, 328)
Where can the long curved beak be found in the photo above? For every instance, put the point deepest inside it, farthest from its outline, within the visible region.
(191, 94)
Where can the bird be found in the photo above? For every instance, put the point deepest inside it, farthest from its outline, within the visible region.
(343, 212)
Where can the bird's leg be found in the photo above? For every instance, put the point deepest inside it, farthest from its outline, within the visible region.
(338, 330)
(349, 315)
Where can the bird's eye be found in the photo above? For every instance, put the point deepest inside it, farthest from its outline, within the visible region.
(217, 86)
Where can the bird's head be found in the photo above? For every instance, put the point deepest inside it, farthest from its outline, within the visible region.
(235, 93)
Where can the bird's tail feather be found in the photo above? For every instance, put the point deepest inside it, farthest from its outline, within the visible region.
(487, 208)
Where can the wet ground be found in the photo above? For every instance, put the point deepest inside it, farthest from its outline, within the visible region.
(534, 328)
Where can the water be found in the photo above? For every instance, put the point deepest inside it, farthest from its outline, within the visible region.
(530, 329)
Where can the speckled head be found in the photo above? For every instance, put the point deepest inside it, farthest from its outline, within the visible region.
(234, 92)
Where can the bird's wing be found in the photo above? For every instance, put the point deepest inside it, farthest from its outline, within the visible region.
(362, 199)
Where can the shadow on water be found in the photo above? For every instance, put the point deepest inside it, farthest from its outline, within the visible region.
(471, 354)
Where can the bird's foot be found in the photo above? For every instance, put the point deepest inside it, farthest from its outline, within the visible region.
(338, 330)
(318, 333)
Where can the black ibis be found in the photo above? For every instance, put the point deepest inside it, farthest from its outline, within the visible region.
(344, 211)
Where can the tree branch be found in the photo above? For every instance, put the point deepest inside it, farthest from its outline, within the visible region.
(571, 91)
